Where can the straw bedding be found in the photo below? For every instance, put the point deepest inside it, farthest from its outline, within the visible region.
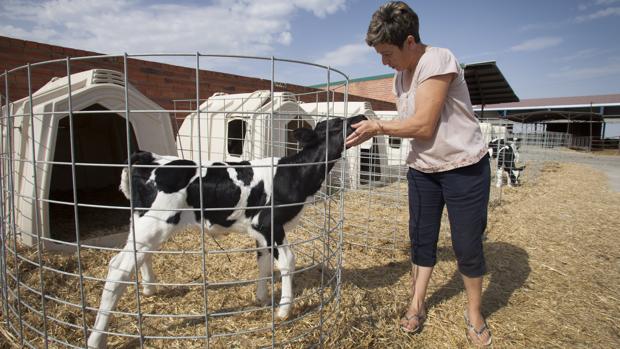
(553, 254)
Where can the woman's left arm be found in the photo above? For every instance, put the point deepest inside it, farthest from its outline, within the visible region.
(429, 100)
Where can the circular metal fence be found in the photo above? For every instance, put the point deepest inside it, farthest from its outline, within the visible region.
(69, 244)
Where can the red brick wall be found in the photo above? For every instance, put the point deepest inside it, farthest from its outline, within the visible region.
(161, 82)
(377, 88)
(380, 89)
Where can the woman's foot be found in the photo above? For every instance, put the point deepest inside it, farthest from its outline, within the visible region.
(413, 320)
(478, 332)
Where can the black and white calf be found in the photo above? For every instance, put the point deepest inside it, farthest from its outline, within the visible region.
(507, 154)
(235, 197)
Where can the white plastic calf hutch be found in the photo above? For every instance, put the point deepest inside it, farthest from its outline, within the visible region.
(367, 163)
(235, 127)
(97, 103)
(491, 131)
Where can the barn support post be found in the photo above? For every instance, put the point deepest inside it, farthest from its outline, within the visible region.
(590, 143)
(601, 110)
(569, 140)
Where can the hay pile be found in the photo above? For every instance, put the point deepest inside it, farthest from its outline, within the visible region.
(553, 254)
(177, 309)
(377, 217)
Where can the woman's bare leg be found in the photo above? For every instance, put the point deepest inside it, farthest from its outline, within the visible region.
(420, 277)
(473, 288)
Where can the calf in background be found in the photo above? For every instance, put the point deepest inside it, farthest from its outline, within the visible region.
(507, 155)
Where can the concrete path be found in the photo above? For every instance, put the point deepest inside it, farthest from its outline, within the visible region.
(610, 164)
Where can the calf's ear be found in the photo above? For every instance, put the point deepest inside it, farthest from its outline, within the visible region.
(305, 136)
(357, 118)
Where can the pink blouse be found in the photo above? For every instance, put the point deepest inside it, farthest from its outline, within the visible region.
(457, 141)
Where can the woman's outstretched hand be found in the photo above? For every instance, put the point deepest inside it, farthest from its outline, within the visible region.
(364, 130)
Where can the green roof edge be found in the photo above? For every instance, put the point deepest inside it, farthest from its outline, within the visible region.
(367, 78)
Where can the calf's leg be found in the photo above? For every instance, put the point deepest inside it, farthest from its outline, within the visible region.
(149, 234)
(148, 276)
(286, 264)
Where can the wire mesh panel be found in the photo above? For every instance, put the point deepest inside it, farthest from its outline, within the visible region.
(376, 210)
(375, 204)
(84, 266)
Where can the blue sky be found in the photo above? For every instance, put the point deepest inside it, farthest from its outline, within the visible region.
(545, 48)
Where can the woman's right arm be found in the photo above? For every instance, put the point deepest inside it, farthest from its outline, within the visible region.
(429, 100)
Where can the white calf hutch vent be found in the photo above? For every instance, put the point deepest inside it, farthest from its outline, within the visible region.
(97, 105)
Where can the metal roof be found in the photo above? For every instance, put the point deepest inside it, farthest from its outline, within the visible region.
(487, 84)
(578, 108)
(547, 115)
(609, 100)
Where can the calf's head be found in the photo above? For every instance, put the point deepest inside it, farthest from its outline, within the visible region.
(514, 174)
(329, 133)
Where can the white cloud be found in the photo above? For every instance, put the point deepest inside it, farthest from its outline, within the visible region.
(321, 8)
(588, 5)
(587, 53)
(242, 27)
(588, 72)
(610, 11)
(537, 44)
(479, 56)
(346, 55)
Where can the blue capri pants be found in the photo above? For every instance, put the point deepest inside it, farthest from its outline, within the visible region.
(465, 192)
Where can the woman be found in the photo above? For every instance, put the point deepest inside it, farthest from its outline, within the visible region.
(448, 163)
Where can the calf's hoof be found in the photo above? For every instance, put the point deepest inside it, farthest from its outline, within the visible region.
(284, 312)
(149, 290)
(97, 341)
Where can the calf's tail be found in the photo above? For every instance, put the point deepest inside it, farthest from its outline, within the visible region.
(124, 186)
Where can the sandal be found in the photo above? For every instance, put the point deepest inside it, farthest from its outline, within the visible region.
(475, 336)
(420, 318)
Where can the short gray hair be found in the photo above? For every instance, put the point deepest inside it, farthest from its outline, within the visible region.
(392, 23)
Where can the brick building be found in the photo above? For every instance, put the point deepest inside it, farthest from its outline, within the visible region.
(160, 82)
(376, 87)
